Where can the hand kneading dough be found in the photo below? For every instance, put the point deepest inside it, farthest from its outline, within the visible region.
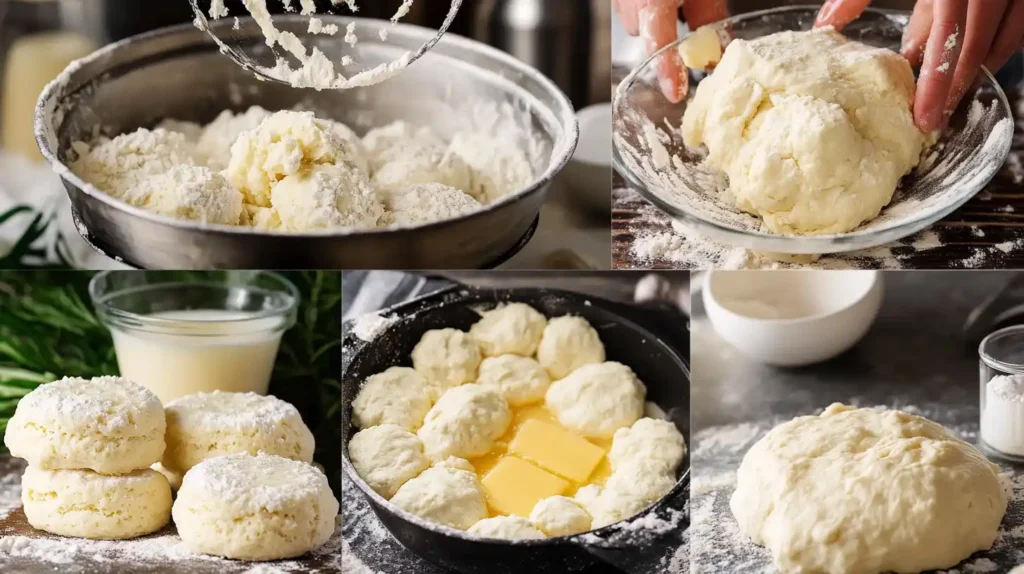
(626, 492)
(254, 508)
(521, 380)
(509, 329)
(813, 130)
(506, 527)
(387, 456)
(569, 343)
(465, 422)
(865, 491)
(108, 424)
(655, 441)
(446, 358)
(85, 504)
(597, 400)
(206, 425)
(398, 396)
(560, 516)
(448, 492)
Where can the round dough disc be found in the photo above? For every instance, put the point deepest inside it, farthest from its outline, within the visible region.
(521, 380)
(506, 528)
(465, 422)
(386, 457)
(596, 400)
(446, 358)
(448, 492)
(398, 396)
(568, 343)
(560, 516)
(509, 329)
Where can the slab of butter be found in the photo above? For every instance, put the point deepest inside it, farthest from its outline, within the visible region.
(557, 450)
(514, 486)
(701, 49)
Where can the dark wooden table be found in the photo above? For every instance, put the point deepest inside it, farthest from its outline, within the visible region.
(997, 211)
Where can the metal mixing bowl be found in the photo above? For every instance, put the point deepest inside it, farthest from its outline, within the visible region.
(179, 73)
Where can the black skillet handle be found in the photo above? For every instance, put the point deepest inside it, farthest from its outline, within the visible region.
(667, 511)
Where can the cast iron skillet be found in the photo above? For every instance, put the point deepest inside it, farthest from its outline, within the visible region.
(658, 366)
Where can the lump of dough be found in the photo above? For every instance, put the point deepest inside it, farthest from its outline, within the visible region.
(386, 457)
(261, 217)
(521, 380)
(286, 143)
(426, 203)
(206, 425)
(568, 343)
(388, 143)
(248, 507)
(629, 490)
(326, 196)
(498, 169)
(655, 441)
(215, 141)
(446, 358)
(596, 400)
(398, 396)
(115, 166)
(448, 492)
(512, 328)
(507, 528)
(560, 516)
(814, 131)
(865, 490)
(189, 192)
(106, 424)
(402, 156)
(85, 504)
(465, 422)
(357, 154)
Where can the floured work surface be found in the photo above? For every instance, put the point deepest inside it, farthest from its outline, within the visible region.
(24, 549)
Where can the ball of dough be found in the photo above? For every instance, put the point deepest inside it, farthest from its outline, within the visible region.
(248, 507)
(189, 192)
(813, 130)
(325, 197)
(107, 424)
(426, 203)
(114, 166)
(357, 153)
(446, 358)
(388, 143)
(507, 528)
(386, 457)
(864, 490)
(567, 344)
(398, 396)
(207, 425)
(560, 516)
(509, 329)
(465, 422)
(448, 492)
(626, 492)
(521, 380)
(215, 141)
(498, 169)
(655, 441)
(86, 504)
(419, 164)
(596, 400)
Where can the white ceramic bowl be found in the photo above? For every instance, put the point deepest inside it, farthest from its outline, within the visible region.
(792, 318)
(589, 173)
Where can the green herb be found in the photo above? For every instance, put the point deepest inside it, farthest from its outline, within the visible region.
(25, 253)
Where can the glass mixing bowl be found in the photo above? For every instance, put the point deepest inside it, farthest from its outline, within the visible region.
(967, 156)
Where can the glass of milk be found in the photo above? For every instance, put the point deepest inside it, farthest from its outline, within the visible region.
(1001, 368)
(181, 333)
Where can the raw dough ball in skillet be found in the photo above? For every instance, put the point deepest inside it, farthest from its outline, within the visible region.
(387, 456)
(448, 492)
(521, 380)
(560, 516)
(568, 343)
(627, 491)
(507, 528)
(398, 396)
(446, 358)
(656, 441)
(465, 422)
(509, 329)
(596, 400)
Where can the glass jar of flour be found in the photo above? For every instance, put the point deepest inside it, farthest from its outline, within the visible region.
(1001, 367)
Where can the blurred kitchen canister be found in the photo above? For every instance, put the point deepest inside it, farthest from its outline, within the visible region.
(567, 40)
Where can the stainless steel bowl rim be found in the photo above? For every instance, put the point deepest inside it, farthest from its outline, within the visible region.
(785, 243)
(562, 150)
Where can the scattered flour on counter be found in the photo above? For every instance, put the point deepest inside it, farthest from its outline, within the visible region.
(367, 327)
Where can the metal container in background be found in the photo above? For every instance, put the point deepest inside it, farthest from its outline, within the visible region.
(568, 41)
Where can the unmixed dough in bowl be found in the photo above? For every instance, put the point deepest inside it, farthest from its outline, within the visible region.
(178, 73)
(649, 150)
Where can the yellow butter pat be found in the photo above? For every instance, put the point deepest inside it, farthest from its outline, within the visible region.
(514, 486)
(557, 450)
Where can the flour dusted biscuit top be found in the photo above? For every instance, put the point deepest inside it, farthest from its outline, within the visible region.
(865, 490)
(464, 422)
(655, 441)
(446, 358)
(398, 396)
(521, 380)
(448, 492)
(560, 516)
(106, 424)
(506, 528)
(568, 343)
(598, 399)
(813, 130)
(509, 328)
(86, 504)
(248, 507)
(386, 457)
(207, 425)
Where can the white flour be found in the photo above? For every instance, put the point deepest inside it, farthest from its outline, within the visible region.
(1002, 421)
(367, 327)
